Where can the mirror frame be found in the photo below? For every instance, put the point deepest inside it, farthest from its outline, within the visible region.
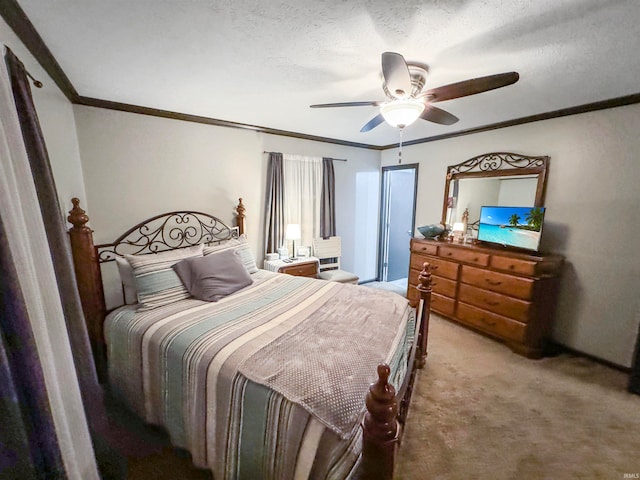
(498, 164)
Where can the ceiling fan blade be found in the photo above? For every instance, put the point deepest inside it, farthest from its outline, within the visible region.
(396, 74)
(437, 115)
(373, 123)
(470, 87)
(347, 104)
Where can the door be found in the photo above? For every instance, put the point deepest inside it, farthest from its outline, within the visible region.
(397, 220)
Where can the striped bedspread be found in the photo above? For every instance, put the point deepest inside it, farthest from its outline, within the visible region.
(266, 383)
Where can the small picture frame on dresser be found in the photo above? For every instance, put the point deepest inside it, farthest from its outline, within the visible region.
(302, 252)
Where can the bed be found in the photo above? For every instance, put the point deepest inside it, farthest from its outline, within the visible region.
(267, 381)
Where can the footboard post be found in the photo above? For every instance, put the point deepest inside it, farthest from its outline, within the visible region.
(424, 287)
(380, 428)
(89, 280)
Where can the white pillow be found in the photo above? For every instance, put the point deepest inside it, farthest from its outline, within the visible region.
(127, 279)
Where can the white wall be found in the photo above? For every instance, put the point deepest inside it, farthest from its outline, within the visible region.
(136, 166)
(592, 216)
(57, 121)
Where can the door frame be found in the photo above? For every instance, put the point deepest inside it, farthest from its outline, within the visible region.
(383, 208)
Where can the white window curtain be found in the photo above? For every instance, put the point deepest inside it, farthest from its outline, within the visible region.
(303, 192)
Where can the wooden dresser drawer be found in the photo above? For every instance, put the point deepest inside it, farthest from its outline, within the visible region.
(520, 287)
(515, 265)
(426, 248)
(496, 302)
(467, 256)
(442, 304)
(309, 269)
(491, 322)
(443, 268)
(439, 284)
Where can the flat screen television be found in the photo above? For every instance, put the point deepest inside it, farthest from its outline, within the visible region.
(517, 227)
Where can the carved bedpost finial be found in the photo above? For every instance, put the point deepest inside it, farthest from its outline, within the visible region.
(380, 427)
(424, 278)
(240, 217)
(77, 216)
(89, 283)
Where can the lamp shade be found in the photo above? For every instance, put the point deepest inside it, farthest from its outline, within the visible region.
(292, 231)
(400, 113)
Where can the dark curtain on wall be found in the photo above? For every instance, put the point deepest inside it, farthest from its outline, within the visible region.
(52, 218)
(274, 231)
(28, 443)
(634, 378)
(327, 200)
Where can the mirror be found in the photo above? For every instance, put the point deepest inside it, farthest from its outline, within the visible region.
(501, 179)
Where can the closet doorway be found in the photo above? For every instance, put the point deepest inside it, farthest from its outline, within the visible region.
(397, 221)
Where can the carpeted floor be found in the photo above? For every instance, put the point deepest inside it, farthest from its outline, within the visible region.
(482, 412)
(397, 286)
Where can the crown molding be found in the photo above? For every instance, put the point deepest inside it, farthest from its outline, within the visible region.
(26, 32)
(587, 107)
(125, 107)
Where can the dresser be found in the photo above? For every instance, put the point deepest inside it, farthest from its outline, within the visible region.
(300, 267)
(508, 295)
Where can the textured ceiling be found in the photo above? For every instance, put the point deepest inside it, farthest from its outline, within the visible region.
(264, 62)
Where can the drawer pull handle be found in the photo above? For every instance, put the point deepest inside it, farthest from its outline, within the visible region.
(423, 248)
(488, 322)
(449, 254)
(490, 282)
(491, 303)
(475, 259)
(511, 267)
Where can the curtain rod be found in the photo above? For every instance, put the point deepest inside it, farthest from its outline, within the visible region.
(36, 82)
(336, 159)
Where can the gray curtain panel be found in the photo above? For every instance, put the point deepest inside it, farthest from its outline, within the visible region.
(634, 378)
(55, 228)
(28, 443)
(274, 229)
(327, 200)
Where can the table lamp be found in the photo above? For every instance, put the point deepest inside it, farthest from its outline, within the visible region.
(293, 233)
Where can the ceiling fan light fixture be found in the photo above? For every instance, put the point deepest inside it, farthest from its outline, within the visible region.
(401, 113)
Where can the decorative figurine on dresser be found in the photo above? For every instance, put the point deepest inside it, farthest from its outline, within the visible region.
(500, 284)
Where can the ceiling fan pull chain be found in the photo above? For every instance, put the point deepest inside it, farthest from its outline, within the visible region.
(400, 151)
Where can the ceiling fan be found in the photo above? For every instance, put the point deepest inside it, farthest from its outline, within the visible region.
(403, 84)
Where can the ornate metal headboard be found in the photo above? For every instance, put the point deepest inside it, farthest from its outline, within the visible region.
(167, 231)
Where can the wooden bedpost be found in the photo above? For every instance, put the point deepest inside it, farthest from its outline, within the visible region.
(380, 429)
(240, 217)
(89, 279)
(424, 287)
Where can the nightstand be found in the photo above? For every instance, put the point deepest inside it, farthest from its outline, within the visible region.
(300, 267)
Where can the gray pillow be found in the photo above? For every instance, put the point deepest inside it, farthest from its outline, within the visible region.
(213, 277)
